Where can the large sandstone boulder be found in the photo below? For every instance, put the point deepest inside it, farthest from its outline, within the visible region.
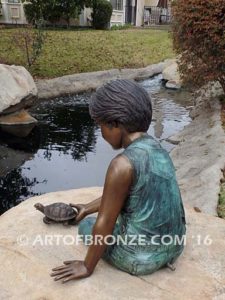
(30, 248)
(18, 89)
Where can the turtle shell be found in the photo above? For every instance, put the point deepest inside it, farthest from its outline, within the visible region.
(59, 212)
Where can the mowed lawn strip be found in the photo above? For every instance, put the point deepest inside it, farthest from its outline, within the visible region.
(68, 52)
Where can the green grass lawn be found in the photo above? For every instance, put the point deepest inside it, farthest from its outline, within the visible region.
(67, 52)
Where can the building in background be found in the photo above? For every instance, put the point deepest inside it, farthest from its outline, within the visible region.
(12, 12)
(118, 14)
(157, 12)
(139, 12)
(134, 12)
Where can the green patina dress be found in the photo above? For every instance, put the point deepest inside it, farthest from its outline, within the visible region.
(153, 210)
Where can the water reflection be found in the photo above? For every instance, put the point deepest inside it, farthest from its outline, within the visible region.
(67, 151)
(14, 187)
(66, 128)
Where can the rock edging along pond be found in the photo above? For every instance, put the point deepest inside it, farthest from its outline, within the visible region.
(86, 82)
(199, 156)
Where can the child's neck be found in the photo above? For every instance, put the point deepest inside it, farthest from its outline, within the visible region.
(129, 138)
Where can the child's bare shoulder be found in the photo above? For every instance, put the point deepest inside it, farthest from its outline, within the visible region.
(121, 162)
(119, 179)
(120, 167)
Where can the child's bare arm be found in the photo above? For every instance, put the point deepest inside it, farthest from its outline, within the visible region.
(116, 189)
(117, 185)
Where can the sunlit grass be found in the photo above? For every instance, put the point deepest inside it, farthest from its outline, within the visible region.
(68, 52)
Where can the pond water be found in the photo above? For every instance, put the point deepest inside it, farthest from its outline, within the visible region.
(66, 150)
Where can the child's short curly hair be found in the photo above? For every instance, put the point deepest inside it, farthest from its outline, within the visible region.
(122, 102)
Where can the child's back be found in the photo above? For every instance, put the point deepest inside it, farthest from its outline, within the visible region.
(154, 206)
(152, 220)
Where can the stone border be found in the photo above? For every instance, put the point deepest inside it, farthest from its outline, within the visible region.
(199, 155)
(87, 82)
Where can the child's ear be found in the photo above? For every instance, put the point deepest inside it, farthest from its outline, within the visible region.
(113, 124)
(116, 124)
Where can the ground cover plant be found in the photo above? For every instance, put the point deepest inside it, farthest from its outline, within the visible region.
(221, 204)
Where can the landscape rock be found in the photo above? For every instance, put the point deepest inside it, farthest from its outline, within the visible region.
(204, 97)
(173, 85)
(30, 249)
(19, 123)
(199, 157)
(171, 76)
(18, 89)
(86, 82)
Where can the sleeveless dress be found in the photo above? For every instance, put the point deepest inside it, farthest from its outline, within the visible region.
(152, 211)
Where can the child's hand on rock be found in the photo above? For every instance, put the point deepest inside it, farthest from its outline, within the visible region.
(72, 269)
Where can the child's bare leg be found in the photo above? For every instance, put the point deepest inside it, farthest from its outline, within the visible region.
(85, 228)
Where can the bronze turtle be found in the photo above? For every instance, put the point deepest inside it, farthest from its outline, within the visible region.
(57, 212)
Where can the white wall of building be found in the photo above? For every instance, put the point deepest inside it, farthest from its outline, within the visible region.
(85, 16)
(151, 2)
(140, 12)
(118, 16)
(12, 13)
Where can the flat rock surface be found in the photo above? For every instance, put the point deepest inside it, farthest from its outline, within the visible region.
(16, 84)
(199, 158)
(30, 248)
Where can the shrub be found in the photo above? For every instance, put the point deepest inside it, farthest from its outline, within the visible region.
(199, 38)
(53, 10)
(30, 41)
(102, 12)
(121, 27)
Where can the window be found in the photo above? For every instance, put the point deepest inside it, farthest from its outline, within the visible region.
(13, 1)
(117, 4)
(15, 14)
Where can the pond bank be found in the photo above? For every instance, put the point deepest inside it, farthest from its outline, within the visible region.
(87, 82)
(200, 155)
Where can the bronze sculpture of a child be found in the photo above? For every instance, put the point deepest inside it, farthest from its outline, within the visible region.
(141, 196)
